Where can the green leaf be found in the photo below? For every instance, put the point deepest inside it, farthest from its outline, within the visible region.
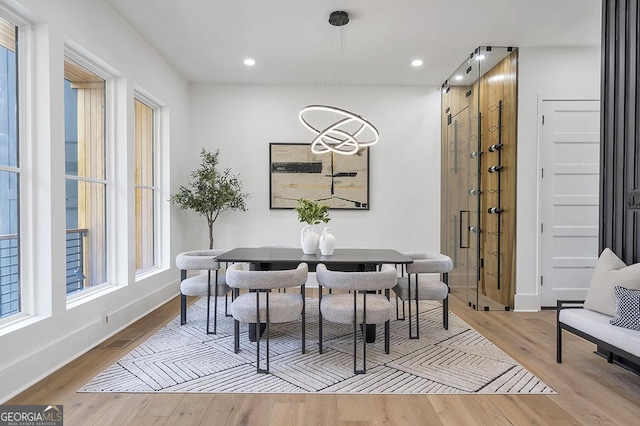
(312, 212)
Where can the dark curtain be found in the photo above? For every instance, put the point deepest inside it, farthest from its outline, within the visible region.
(620, 130)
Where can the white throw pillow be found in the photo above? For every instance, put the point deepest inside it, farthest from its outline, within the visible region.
(609, 272)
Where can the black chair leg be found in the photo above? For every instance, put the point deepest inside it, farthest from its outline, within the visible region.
(558, 336)
(445, 302)
(320, 318)
(209, 301)
(417, 336)
(386, 337)
(445, 312)
(304, 337)
(215, 306)
(236, 336)
(258, 369)
(409, 298)
(183, 300)
(398, 309)
(183, 309)
(236, 329)
(355, 332)
(386, 328)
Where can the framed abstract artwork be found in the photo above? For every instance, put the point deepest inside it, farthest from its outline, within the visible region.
(340, 181)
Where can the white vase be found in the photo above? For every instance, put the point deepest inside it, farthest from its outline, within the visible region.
(309, 240)
(327, 242)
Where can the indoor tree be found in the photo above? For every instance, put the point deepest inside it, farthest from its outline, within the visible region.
(211, 191)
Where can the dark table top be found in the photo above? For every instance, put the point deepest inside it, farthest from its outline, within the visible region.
(291, 256)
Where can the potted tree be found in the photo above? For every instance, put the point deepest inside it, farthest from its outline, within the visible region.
(312, 213)
(211, 191)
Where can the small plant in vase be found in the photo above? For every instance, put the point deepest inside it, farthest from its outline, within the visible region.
(312, 213)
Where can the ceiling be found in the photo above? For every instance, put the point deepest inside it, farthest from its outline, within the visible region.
(293, 43)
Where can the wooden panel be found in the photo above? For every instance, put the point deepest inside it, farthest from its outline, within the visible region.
(620, 130)
(499, 107)
(144, 196)
(7, 35)
(92, 196)
(143, 143)
(78, 74)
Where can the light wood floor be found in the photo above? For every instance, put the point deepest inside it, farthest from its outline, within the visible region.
(590, 391)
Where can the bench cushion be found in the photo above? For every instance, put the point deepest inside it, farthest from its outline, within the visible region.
(598, 325)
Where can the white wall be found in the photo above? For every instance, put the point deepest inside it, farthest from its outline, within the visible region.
(404, 165)
(544, 74)
(54, 333)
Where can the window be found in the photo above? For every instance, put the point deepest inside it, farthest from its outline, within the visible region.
(145, 189)
(9, 173)
(86, 183)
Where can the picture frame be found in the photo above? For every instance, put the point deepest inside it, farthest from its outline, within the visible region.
(340, 181)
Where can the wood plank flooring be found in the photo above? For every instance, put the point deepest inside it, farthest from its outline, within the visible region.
(590, 391)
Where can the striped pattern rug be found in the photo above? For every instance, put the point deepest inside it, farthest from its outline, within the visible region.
(185, 359)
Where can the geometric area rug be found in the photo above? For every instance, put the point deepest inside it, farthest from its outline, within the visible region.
(185, 359)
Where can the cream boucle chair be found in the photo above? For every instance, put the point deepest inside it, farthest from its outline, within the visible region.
(360, 307)
(260, 305)
(425, 289)
(201, 285)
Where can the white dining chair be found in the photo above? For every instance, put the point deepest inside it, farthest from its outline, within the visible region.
(362, 306)
(426, 288)
(202, 285)
(261, 305)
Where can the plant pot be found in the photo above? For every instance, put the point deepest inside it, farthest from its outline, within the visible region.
(309, 240)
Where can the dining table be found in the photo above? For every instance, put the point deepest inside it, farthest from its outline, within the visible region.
(342, 259)
(345, 259)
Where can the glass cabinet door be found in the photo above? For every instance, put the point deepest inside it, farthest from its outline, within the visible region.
(478, 190)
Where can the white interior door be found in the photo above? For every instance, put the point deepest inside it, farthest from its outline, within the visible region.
(569, 198)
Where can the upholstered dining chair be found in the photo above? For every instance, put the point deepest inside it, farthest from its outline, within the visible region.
(427, 288)
(363, 305)
(260, 305)
(202, 285)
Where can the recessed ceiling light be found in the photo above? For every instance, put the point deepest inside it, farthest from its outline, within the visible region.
(480, 57)
(459, 77)
(417, 62)
(249, 62)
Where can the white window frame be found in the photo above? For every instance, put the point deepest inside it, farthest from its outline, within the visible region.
(84, 58)
(150, 102)
(24, 74)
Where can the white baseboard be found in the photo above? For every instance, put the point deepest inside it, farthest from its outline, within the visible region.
(526, 303)
(36, 366)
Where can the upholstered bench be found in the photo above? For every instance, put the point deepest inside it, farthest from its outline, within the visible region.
(610, 315)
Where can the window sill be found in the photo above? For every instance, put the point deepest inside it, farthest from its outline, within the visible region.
(89, 295)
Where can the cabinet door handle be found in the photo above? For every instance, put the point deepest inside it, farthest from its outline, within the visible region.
(461, 244)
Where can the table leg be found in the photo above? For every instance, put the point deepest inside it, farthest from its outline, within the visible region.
(369, 333)
(263, 327)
